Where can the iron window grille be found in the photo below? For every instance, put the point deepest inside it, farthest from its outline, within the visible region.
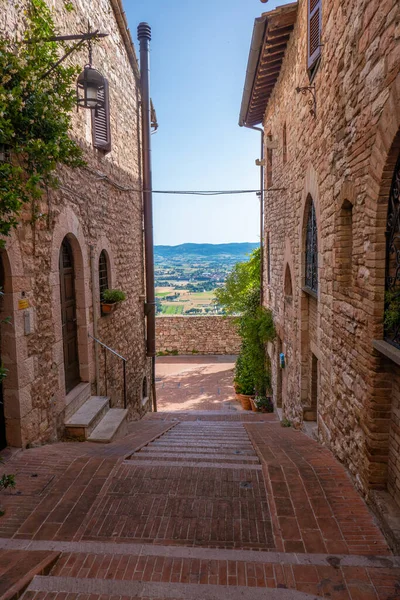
(392, 278)
(103, 274)
(311, 271)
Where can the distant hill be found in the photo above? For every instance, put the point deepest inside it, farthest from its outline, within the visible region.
(238, 250)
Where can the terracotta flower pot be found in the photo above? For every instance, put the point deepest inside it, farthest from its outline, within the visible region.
(107, 309)
(253, 405)
(245, 401)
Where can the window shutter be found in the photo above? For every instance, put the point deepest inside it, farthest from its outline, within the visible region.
(314, 30)
(101, 130)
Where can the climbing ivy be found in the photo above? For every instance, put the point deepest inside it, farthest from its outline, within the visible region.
(35, 114)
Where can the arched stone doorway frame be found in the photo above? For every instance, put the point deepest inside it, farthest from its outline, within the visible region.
(310, 193)
(68, 226)
(377, 422)
(286, 336)
(14, 351)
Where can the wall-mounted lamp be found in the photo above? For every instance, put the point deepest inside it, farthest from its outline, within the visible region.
(312, 101)
(90, 81)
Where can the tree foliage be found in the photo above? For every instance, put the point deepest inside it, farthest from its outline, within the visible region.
(242, 282)
(35, 114)
(241, 296)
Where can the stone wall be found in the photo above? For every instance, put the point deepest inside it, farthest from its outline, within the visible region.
(343, 159)
(197, 335)
(94, 213)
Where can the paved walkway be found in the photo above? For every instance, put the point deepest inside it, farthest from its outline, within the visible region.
(196, 383)
(202, 504)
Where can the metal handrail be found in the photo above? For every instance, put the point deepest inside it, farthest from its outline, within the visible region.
(124, 361)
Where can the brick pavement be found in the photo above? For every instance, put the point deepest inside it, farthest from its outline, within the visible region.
(195, 383)
(194, 504)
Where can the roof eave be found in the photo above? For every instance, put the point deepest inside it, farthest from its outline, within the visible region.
(252, 64)
(122, 23)
(286, 16)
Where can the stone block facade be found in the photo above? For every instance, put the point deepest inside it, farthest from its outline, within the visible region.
(96, 208)
(197, 335)
(341, 161)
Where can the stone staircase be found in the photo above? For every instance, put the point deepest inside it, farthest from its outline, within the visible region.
(201, 445)
(90, 417)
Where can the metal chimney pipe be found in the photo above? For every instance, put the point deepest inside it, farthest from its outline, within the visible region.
(144, 37)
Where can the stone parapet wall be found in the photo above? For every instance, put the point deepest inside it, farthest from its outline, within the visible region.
(192, 335)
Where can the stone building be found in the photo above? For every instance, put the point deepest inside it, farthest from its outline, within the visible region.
(323, 81)
(89, 238)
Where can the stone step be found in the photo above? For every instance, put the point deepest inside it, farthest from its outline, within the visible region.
(206, 451)
(193, 463)
(113, 423)
(239, 445)
(309, 414)
(85, 419)
(197, 456)
(76, 397)
(52, 588)
(195, 439)
(220, 456)
(19, 567)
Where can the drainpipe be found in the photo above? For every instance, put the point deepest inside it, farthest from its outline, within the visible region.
(261, 210)
(95, 319)
(144, 37)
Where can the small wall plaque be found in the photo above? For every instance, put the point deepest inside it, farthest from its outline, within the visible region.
(23, 304)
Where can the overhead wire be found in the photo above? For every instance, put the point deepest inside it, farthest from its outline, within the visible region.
(122, 188)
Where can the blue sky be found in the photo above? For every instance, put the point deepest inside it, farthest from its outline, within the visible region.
(199, 56)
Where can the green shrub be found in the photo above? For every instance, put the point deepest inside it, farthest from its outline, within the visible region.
(244, 379)
(392, 310)
(113, 296)
(240, 295)
(6, 481)
(264, 403)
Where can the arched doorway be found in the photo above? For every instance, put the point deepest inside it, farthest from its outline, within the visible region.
(3, 439)
(68, 316)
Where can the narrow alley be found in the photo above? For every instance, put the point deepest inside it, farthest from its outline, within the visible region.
(199, 503)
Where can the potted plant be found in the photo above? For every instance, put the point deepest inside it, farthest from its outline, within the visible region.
(263, 404)
(244, 382)
(110, 300)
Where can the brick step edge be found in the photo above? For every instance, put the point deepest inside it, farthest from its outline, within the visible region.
(42, 568)
(177, 591)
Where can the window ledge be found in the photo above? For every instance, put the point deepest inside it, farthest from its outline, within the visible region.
(310, 292)
(387, 350)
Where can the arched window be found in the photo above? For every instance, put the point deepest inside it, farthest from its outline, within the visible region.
(284, 144)
(288, 285)
(144, 389)
(311, 267)
(345, 247)
(103, 273)
(392, 279)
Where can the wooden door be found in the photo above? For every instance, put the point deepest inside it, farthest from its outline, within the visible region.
(3, 440)
(68, 316)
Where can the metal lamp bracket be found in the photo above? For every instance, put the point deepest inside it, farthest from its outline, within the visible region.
(311, 101)
(80, 38)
